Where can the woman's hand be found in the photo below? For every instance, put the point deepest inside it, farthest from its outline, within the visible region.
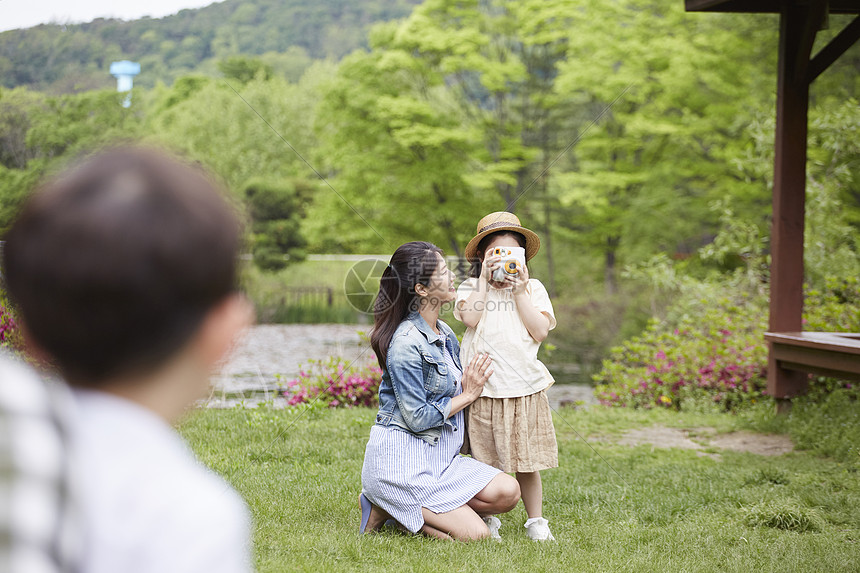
(476, 374)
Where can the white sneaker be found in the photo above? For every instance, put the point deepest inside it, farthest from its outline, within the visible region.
(493, 524)
(538, 529)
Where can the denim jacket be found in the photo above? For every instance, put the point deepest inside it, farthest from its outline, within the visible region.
(417, 387)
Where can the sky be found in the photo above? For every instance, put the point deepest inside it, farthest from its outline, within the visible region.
(27, 13)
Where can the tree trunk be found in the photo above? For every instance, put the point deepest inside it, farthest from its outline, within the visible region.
(550, 263)
(609, 273)
(547, 239)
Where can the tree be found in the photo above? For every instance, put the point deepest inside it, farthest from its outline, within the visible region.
(244, 69)
(276, 209)
(75, 123)
(15, 107)
(679, 95)
(399, 151)
(487, 67)
(15, 187)
(242, 131)
(39, 133)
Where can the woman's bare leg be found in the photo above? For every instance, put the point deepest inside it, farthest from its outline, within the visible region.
(431, 531)
(462, 524)
(377, 519)
(532, 491)
(499, 496)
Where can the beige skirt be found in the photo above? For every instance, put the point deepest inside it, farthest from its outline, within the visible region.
(513, 434)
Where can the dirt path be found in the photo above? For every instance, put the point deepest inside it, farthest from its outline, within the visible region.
(704, 438)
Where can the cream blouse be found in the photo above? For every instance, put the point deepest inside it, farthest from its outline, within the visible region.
(502, 334)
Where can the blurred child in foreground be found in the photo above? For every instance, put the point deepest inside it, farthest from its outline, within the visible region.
(123, 270)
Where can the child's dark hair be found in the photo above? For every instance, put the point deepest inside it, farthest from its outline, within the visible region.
(114, 264)
(477, 264)
(412, 263)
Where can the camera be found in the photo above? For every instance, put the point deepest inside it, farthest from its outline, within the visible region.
(512, 259)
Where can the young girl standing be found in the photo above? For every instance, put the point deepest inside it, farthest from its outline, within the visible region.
(510, 425)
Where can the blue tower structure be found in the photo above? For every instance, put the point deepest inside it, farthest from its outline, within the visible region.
(124, 72)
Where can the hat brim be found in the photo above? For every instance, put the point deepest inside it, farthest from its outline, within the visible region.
(532, 241)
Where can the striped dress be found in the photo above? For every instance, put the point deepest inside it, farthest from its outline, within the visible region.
(402, 473)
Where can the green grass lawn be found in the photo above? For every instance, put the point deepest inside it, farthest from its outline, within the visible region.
(664, 509)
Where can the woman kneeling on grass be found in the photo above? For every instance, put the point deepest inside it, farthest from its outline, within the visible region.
(413, 472)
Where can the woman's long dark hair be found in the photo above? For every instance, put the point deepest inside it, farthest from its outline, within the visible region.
(475, 271)
(412, 263)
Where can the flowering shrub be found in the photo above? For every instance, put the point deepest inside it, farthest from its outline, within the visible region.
(9, 333)
(716, 353)
(336, 383)
(718, 357)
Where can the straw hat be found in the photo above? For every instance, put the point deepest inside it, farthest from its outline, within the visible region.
(502, 221)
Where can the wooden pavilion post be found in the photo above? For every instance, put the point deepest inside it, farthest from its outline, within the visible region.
(792, 353)
(798, 26)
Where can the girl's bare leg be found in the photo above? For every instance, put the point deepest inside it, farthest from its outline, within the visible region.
(499, 496)
(532, 492)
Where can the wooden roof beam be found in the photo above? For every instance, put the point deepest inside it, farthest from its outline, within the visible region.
(831, 52)
(766, 6)
(806, 20)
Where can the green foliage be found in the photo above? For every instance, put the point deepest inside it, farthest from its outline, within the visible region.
(244, 69)
(40, 133)
(641, 179)
(76, 57)
(831, 244)
(276, 210)
(250, 135)
(70, 124)
(15, 107)
(834, 306)
(15, 187)
(290, 64)
(397, 145)
(591, 323)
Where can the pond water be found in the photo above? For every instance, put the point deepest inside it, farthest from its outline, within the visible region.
(269, 355)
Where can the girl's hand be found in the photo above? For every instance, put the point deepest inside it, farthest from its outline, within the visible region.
(519, 281)
(476, 374)
(490, 264)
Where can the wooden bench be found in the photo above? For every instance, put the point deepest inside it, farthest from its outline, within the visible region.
(834, 354)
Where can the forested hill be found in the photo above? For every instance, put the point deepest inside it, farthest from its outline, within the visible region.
(67, 58)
